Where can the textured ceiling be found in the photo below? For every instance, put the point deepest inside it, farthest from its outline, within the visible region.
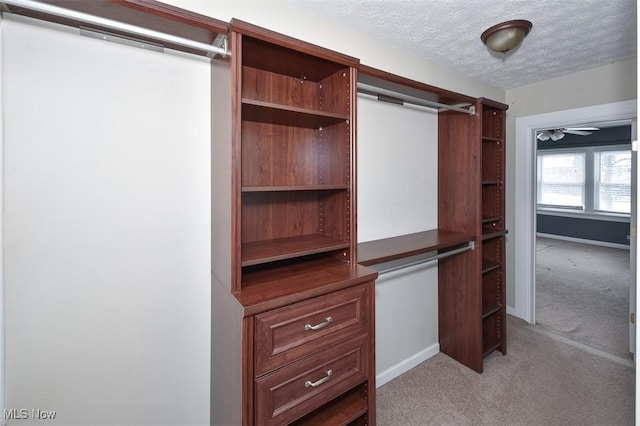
(567, 35)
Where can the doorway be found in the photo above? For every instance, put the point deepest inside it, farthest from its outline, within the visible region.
(525, 174)
(583, 204)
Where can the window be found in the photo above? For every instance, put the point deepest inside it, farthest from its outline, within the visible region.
(561, 180)
(593, 180)
(612, 181)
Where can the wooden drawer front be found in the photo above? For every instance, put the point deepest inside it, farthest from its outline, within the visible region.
(284, 335)
(288, 393)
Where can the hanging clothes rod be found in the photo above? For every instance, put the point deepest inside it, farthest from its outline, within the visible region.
(116, 25)
(394, 97)
(453, 252)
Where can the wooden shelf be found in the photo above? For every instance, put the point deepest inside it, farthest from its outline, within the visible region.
(490, 310)
(490, 139)
(268, 112)
(489, 265)
(491, 182)
(487, 219)
(282, 285)
(493, 234)
(340, 412)
(284, 188)
(388, 249)
(259, 252)
(490, 344)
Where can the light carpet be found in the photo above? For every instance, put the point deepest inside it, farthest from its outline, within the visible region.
(582, 293)
(541, 381)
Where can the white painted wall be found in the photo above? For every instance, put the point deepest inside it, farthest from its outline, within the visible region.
(397, 195)
(107, 229)
(603, 85)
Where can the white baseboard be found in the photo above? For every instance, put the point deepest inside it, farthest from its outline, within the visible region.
(582, 240)
(406, 364)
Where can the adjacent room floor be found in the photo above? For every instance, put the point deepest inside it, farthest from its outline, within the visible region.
(582, 294)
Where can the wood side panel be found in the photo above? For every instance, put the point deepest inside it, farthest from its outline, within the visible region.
(236, 160)
(351, 142)
(371, 383)
(335, 92)
(334, 161)
(333, 218)
(458, 173)
(248, 373)
(228, 398)
(460, 308)
(221, 188)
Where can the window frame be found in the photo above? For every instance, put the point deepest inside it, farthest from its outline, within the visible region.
(589, 210)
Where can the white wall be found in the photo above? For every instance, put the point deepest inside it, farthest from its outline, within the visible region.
(107, 229)
(610, 83)
(397, 195)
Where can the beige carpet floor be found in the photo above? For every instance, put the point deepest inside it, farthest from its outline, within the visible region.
(541, 381)
(582, 293)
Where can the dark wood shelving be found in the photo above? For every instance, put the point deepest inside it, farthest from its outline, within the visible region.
(268, 112)
(493, 234)
(489, 265)
(343, 412)
(487, 219)
(490, 310)
(284, 188)
(277, 286)
(490, 139)
(255, 253)
(293, 235)
(490, 344)
(388, 249)
(491, 182)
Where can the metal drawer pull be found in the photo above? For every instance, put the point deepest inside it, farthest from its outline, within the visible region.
(309, 383)
(326, 322)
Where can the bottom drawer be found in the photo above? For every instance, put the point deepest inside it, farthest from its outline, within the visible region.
(299, 388)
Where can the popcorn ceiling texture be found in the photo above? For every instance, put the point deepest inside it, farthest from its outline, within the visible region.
(567, 35)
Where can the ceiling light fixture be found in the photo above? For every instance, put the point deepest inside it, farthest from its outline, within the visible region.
(506, 36)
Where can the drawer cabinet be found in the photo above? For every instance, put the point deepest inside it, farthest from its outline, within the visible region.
(298, 330)
(309, 354)
(291, 392)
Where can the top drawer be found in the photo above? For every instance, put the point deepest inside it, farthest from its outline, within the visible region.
(289, 333)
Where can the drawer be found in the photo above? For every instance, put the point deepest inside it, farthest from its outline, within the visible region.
(288, 333)
(303, 386)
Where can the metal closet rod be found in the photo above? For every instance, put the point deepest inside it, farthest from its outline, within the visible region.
(453, 252)
(116, 25)
(394, 97)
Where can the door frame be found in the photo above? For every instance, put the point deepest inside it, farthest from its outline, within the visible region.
(525, 178)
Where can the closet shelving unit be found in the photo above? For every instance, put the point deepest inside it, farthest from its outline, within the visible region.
(297, 309)
(493, 227)
(471, 295)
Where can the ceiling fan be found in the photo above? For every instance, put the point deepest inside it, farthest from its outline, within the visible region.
(557, 134)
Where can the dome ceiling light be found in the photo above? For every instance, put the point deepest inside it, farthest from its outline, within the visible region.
(506, 36)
